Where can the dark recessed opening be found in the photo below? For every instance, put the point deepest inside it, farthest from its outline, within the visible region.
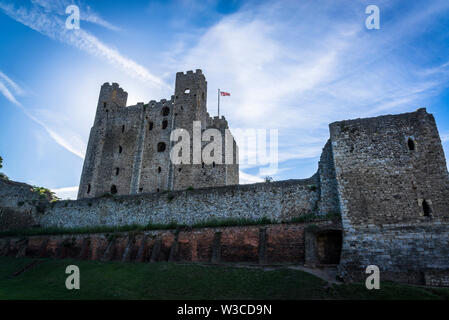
(202, 95)
(213, 164)
(179, 169)
(107, 110)
(202, 165)
(120, 149)
(123, 128)
(328, 246)
(150, 126)
(411, 144)
(113, 189)
(140, 190)
(117, 171)
(88, 188)
(157, 190)
(165, 111)
(159, 169)
(164, 124)
(160, 147)
(426, 208)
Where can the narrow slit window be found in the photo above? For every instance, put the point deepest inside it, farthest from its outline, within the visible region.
(426, 208)
(411, 144)
(150, 126)
(117, 171)
(160, 147)
(120, 149)
(88, 188)
(164, 124)
(123, 128)
(159, 169)
(165, 111)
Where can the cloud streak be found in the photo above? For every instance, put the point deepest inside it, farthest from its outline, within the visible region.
(53, 26)
(300, 65)
(86, 13)
(66, 192)
(9, 89)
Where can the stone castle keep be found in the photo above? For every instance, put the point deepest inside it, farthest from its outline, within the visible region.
(129, 147)
(380, 197)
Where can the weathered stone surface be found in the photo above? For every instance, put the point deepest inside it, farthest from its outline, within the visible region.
(235, 244)
(123, 154)
(393, 187)
(278, 201)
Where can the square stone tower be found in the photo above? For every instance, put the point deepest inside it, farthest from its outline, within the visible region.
(129, 147)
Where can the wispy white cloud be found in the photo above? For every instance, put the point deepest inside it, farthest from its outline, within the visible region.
(301, 65)
(86, 13)
(39, 18)
(66, 192)
(74, 144)
(246, 178)
(8, 94)
(445, 137)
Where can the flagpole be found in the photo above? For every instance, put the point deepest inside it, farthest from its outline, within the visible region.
(218, 103)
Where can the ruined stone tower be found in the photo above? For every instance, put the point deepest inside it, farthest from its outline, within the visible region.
(129, 147)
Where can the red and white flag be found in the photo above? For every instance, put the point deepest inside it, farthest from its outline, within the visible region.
(224, 93)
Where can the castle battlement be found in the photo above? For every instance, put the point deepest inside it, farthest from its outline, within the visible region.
(129, 146)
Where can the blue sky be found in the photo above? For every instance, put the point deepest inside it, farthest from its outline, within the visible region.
(294, 66)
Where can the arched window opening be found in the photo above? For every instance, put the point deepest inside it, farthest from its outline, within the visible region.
(113, 189)
(426, 208)
(213, 164)
(159, 169)
(164, 124)
(160, 147)
(411, 144)
(202, 165)
(120, 149)
(165, 111)
(140, 190)
(88, 188)
(117, 171)
(150, 126)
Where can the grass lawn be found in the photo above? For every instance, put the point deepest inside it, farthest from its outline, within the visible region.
(116, 280)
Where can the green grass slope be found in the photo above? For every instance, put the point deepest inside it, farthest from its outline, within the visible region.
(116, 280)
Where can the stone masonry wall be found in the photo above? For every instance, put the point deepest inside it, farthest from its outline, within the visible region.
(19, 205)
(129, 146)
(269, 244)
(393, 189)
(279, 201)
